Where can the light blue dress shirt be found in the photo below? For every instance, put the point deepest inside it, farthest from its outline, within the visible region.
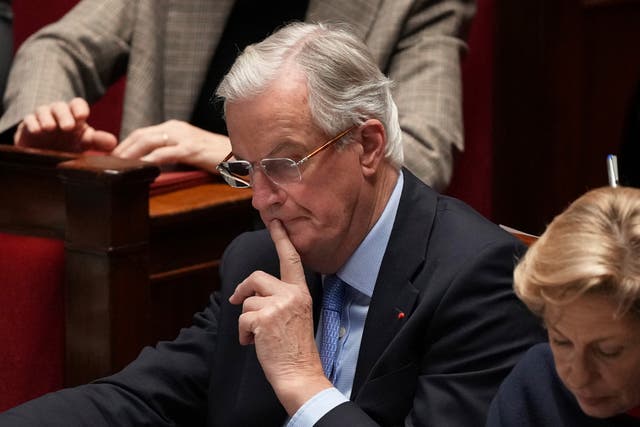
(360, 273)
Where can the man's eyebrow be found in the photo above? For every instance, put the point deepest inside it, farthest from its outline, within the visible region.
(282, 147)
(286, 146)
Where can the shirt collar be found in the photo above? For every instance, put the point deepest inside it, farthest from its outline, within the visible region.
(361, 269)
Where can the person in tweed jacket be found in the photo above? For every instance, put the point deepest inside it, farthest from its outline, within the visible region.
(164, 47)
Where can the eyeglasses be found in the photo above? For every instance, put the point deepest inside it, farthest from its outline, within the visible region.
(281, 171)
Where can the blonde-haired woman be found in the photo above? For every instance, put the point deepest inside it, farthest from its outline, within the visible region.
(582, 277)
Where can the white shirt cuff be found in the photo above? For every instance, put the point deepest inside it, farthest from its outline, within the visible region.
(316, 407)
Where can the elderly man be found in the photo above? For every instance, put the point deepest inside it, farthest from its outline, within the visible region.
(370, 299)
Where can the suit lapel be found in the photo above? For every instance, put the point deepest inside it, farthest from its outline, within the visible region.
(394, 296)
(194, 28)
(360, 14)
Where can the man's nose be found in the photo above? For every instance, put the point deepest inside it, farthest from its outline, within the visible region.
(265, 192)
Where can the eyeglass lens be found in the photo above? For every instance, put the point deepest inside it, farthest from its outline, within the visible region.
(279, 170)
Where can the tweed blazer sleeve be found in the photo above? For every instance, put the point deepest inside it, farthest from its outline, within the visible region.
(425, 66)
(416, 43)
(79, 55)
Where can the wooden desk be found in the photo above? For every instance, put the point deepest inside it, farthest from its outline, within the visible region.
(136, 268)
(190, 229)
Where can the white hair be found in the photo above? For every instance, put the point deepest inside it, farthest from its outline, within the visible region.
(345, 86)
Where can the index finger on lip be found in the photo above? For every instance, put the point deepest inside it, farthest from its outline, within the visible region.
(291, 270)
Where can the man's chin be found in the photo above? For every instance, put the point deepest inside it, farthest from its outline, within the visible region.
(301, 243)
(305, 246)
(308, 244)
(298, 231)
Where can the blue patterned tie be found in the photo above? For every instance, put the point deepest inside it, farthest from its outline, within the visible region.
(332, 299)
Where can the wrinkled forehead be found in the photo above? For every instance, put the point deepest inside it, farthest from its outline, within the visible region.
(277, 117)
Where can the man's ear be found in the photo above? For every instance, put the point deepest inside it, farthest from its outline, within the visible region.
(374, 142)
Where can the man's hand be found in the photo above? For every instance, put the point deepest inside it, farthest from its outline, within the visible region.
(63, 126)
(277, 317)
(175, 142)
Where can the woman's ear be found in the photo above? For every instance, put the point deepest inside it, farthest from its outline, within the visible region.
(374, 142)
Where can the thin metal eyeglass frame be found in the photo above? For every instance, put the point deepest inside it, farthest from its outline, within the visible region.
(297, 164)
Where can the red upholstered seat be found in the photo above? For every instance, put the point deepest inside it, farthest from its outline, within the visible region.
(31, 317)
(31, 269)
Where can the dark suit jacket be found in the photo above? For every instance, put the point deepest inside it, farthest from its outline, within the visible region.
(447, 268)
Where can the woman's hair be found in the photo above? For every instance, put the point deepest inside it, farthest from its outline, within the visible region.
(345, 86)
(592, 247)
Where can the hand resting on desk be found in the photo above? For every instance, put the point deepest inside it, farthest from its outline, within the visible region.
(63, 126)
(174, 142)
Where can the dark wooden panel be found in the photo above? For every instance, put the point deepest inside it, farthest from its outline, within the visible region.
(28, 175)
(190, 230)
(106, 264)
(564, 75)
(136, 268)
